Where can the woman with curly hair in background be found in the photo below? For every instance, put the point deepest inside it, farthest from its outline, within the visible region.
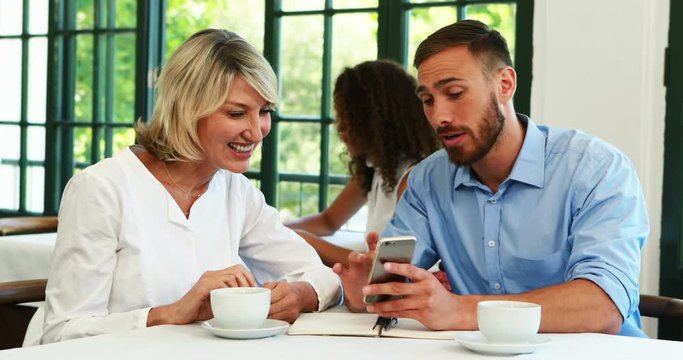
(382, 124)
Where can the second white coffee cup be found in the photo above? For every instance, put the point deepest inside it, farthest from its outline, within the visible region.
(241, 307)
(503, 321)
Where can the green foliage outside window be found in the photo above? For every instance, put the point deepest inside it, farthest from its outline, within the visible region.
(354, 39)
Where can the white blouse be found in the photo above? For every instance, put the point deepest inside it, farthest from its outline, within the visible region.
(124, 246)
(381, 205)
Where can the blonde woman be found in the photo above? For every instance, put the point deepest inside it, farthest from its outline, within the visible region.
(145, 235)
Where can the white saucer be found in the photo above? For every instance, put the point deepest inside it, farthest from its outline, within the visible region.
(475, 341)
(269, 327)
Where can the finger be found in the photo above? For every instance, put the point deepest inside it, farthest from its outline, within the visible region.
(391, 288)
(338, 268)
(284, 314)
(231, 281)
(242, 280)
(359, 258)
(410, 271)
(281, 305)
(245, 275)
(371, 240)
(399, 304)
(220, 285)
(202, 289)
(285, 308)
(251, 280)
(276, 291)
(283, 302)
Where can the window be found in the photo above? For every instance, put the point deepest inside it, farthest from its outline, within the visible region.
(23, 45)
(77, 88)
(75, 85)
(312, 41)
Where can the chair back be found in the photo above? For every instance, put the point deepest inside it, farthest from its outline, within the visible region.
(14, 316)
(27, 225)
(668, 310)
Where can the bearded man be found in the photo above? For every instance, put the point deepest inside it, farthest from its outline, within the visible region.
(514, 210)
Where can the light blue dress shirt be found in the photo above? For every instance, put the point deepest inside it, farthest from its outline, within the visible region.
(572, 208)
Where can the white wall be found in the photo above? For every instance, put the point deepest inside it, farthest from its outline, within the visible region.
(598, 66)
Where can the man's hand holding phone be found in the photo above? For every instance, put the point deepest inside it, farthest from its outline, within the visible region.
(423, 298)
(397, 249)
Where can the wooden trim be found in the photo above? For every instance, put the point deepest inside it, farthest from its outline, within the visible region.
(17, 292)
(27, 225)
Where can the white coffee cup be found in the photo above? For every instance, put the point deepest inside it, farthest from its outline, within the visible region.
(502, 321)
(240, 307)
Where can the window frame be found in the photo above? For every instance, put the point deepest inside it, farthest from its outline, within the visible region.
(671, 242)
(23, 163)
(392, 20)
(59, 163)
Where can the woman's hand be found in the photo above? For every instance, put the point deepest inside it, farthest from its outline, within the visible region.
(195, 305)
(289, 300)
(355, 276)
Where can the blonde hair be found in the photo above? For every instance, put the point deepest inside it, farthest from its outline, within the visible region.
(194, 83)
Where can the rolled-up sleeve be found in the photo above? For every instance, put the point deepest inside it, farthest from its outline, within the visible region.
(609, 230)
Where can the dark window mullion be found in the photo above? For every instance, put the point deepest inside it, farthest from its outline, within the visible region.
(97, 76)
(149, 55)
(459, 11)
(269, 149)
(671, 246)
(69, 91)
(90, 124)
(325, 109)
(23, 144)
(122, 30)
(524, 28)
(109, 79)
(327, 11)
(392, 30)
(456, 3)
(301, 196)
(28, 162)
(53, 111)
(20, 36)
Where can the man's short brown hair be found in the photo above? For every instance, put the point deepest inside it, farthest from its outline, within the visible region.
(484, 43)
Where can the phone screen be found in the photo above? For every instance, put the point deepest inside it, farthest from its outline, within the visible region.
(393, 249)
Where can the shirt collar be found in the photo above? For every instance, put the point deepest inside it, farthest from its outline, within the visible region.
(529, 167)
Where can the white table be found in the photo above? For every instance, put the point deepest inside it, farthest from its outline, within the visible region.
(25, 257)
(193, 342)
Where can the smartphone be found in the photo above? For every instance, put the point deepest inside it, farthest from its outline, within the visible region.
(397, 249)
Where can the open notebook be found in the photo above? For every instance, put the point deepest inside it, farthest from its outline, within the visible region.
(352, 324)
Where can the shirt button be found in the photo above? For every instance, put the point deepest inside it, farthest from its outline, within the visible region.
(492, 201)
(496, 286)
(492, 243)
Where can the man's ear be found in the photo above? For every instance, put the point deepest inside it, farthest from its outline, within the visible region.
(507, 82)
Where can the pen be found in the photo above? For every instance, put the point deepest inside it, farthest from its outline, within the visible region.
(384, 323)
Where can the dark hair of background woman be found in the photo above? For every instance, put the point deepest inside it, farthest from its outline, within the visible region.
(382, 119)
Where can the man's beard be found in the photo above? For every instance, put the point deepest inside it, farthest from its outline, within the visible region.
(489, 131)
